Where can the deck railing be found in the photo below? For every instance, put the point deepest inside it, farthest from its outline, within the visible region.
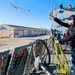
(21, 61)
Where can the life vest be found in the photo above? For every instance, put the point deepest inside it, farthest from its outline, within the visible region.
(66, 34)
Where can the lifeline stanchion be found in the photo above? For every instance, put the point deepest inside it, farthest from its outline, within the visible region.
(44, 69)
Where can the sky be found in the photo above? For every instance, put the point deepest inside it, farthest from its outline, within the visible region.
(29, 13)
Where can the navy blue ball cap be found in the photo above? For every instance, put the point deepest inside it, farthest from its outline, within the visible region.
(72, 17)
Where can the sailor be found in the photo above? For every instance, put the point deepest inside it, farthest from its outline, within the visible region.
(61, 6)
(70, 37)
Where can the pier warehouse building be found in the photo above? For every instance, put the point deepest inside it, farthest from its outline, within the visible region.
(20, 31)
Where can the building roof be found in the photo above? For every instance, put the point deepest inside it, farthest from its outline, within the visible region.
(30, 28)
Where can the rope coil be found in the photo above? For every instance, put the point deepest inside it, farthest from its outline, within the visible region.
(63, 68)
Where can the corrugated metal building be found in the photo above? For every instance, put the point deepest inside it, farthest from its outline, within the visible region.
(20, 31)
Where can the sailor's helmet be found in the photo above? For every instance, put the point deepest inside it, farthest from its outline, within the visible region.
(72, 17)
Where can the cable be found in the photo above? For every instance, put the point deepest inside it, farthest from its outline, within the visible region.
(63, 69)
(23, 11)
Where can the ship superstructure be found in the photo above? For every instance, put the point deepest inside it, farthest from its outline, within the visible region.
(62, 13)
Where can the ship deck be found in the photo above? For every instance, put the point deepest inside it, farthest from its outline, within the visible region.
(11, 43)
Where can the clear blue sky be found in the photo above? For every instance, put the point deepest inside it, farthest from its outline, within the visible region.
(39, 11)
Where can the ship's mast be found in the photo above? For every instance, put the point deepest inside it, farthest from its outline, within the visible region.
(69, 2)
(52, 5)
